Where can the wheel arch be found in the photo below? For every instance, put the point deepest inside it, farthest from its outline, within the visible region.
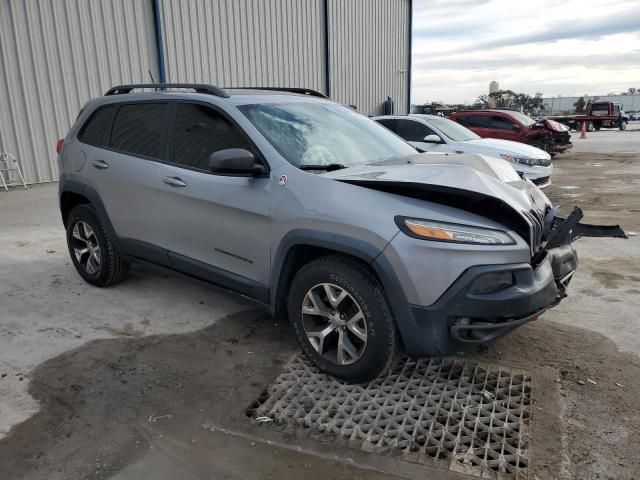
(299, 247)
(73, 193)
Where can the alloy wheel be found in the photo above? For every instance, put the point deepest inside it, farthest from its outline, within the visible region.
(86, 247)
(334, 323)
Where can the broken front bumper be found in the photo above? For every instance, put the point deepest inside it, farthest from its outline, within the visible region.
(476, 313)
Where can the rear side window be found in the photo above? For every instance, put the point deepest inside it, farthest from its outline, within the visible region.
(388, 123)
(140, 129)
(97, 129)
(474, 121)
(501, 123)
(200, 131)
(412, 131)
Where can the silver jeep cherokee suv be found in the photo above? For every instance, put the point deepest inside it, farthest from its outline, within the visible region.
(314, 211)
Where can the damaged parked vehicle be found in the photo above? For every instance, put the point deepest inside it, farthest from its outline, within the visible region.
(315, 212)
(431, 133)
(545, 134)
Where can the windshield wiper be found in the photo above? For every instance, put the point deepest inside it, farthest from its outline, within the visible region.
(329, 168)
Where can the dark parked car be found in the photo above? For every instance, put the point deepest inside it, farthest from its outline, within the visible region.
(546, 134)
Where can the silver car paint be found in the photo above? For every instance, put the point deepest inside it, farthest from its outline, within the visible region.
(250, 217)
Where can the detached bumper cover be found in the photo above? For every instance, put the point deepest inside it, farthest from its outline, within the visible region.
(462, 317)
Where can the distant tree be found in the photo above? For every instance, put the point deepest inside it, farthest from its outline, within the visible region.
(579, 105)
(632, 91)
(511, 99)
(482, 101)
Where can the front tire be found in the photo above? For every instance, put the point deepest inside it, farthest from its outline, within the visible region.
(342, 320)
(93, 253)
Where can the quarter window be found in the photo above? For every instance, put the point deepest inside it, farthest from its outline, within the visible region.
(199, 132)
(97, 129)
(140, 129)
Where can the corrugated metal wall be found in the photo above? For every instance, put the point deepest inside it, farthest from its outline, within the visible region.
(57, 54)
(231, 43)
(369, 53)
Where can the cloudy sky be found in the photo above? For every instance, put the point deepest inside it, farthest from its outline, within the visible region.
(557, 47)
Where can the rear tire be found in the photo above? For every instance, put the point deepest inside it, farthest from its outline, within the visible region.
(336, 304)
(93, 253)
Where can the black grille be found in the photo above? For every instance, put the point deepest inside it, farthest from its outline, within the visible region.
(540, 181)
(536, 221)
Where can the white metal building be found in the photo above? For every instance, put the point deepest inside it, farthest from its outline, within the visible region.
(57, 54)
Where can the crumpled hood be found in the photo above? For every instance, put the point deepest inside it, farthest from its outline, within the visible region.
(457, 174)
(555, 126)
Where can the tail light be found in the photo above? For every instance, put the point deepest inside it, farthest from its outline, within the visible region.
(59, 145)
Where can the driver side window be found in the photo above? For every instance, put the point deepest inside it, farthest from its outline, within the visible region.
(200, 131)
(412, 131)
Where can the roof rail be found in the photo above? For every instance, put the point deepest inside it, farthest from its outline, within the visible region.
(302, 91)
(198, 87)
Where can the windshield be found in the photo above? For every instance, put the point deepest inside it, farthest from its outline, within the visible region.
(317, 134)
(522, 118)
(453, 130)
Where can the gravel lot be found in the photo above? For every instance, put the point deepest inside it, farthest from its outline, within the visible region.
(118, 383)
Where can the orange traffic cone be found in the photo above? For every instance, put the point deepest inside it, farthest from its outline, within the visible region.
(583, 131)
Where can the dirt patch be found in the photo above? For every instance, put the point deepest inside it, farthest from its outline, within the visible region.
(98, 401)
(598, 394)
(608, 192)
(107, 404)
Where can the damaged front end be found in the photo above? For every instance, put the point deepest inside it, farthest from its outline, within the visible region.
(488, 299)
(557, 235)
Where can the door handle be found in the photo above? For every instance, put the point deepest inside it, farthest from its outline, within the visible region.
(100, 164)
(174, 181)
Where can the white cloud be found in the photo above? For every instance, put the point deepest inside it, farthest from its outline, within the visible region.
(566, 48)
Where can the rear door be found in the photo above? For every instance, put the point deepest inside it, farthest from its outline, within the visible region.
(414, 132)
(479, 123)
(123, 168)
(216, 227)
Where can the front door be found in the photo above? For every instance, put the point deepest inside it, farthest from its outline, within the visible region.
(217, 225)
(414, 132)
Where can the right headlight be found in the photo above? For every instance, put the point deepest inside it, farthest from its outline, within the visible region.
(521, 160)
(452, 232)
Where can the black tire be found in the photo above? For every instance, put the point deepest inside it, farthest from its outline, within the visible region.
(382, 348)
(111, 269)
(597, 125)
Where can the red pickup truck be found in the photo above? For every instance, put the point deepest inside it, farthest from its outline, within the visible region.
(547, 134)
(599, 115)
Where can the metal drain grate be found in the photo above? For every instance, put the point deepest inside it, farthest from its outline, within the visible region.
(440, 412)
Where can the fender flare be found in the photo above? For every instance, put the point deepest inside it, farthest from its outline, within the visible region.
(362, 250)
(90, 193)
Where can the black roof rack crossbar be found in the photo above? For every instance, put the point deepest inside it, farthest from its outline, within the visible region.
(198, 87)
(300, 90)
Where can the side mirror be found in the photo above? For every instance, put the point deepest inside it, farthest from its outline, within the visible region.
(235, 162)
(433, 138)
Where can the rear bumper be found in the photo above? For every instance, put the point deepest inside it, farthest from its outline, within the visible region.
(462, 317)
